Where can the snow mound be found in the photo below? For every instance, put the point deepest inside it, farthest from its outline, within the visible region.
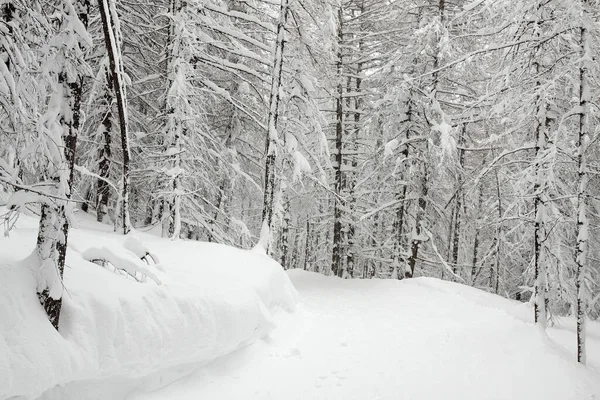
(211, 300)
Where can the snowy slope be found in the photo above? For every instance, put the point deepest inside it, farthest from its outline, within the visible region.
(212, 300)
(420, 339)
(188, 337)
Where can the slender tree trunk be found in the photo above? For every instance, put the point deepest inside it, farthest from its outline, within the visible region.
(51, 247)
(495, 270)
(539, 190)
(459, 202)
(338, 234)
(351, 253)
(150, 211)
(307, 249)
(296, 250)
(285, 232)
(398, 226)
(103, 189)
(417, 234)
(112, 39)
(582, 217)
(475, 261)
(272, 134)
(225, 186)
(539, 237)
(373, 264)
(176, 115)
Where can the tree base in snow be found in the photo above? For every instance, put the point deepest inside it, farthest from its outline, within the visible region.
(51, 306)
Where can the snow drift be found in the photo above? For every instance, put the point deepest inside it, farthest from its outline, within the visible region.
(202, 302)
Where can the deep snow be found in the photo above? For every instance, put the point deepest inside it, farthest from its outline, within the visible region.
(212, 299)
(220, 324)
(421, 339)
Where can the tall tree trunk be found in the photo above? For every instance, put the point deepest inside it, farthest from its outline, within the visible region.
(295, 261)
(272, 134)
(351, 252)
(307, 249)
(337, 264)
(108, 15)
(103, 188)
(398, 225)
(495, 271)
(285, 233)
(582, 217)
(539, 190)
(474, 260)
(225, 186)
(459, 201)
(417, 234)
(175, 129)
(51, 246)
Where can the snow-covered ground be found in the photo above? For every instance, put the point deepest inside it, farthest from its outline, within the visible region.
(420, 339)
(221, 326)
(212, 300)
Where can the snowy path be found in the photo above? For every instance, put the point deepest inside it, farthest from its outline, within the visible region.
(368, 340)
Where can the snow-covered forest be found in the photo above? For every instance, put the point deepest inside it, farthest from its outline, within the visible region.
(362, 139)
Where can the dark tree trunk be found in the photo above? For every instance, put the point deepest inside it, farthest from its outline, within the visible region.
(459, 202)
(475, 261)
(53, 231)
(285, 232)
(112, 47)
(417, 238)
(103, 189)
(336, 256)
(307, 249)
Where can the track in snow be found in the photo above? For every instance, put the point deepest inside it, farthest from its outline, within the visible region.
(373, 340)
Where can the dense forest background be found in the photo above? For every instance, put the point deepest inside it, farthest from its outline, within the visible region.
(362, 138)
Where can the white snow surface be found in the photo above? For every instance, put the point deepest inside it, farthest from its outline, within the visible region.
(212, 300)
(215, 329)
(421, 339)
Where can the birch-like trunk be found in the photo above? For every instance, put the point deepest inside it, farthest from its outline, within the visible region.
(582, 217)
(272, 134)
(539, 190)
(175, 115)
(112, 39)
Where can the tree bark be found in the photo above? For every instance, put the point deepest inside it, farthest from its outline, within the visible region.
(107, 15)
(459, 201)
(475, 260)
(539, 190)
(337, 267)
(582, 217)
(103, 189)
(272, 139)
(51, 245)
(307, 249)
